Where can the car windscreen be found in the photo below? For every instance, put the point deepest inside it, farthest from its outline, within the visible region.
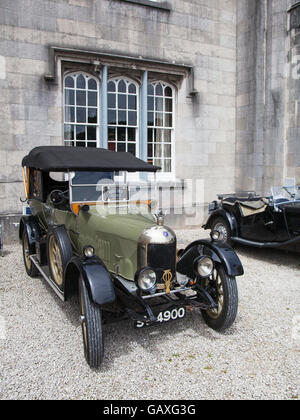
(286, 193)
(87, 186)
(109, 187)
(297, 192)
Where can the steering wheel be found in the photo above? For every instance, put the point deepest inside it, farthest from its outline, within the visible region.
(57, 196)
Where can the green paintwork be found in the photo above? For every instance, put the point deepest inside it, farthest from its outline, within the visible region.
(114, 236)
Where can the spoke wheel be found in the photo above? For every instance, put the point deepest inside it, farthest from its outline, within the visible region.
(59, 252)
(223, 289)
(31, 269)
(55, 261)
(91, 324)
(222, 226)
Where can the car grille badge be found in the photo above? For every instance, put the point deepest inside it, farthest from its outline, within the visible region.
(167, 278)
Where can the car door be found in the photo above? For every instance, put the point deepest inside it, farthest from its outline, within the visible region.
(259, 227)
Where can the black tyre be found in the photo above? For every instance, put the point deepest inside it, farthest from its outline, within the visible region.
(31, 269)
(59, 253)
(222, 226)
(223, 289)
(91, 323)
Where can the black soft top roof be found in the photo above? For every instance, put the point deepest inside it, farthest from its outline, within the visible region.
(63, 158)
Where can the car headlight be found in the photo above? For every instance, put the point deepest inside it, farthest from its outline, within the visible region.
(215, 235)
(205, 267)
(88, 251)
(147, 280)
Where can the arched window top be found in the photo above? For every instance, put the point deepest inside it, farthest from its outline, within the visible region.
(80, 80)
(160, 89)
(122, 85)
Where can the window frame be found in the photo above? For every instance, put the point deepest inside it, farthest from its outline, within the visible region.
(98, 107)
(165, 175)
(158, 4)
(128, 81)
(99, 141)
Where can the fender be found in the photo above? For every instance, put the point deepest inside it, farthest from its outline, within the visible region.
(227, 216)
(96, 277)
(219, 252)
(30, 224)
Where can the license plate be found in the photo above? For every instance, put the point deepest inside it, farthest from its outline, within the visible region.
(165, 316)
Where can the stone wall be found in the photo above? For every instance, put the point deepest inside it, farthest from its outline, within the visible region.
(267, 125)
(240, 131)
(201, 33)
(292, 146)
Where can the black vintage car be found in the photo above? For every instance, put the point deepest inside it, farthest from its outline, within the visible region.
(261, 221)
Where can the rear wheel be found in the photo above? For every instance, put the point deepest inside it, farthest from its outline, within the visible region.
(31, 269)
(223, 289)
(91, 323)
(59, 252)
(222, 226)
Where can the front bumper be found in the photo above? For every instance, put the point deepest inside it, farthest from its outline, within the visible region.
(145, 308)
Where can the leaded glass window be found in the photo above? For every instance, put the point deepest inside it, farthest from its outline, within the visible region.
(120, 132)
(122, 115)
(81, 110)
(160, 125)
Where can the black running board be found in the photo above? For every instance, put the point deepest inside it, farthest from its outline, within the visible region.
(46, 276)
(265, 244)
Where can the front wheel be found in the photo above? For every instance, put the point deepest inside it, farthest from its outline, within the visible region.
(223, 289)
(222, 226)
(91, 323)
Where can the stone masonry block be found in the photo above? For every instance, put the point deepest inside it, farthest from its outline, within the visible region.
(26, 66)
(243, 100)
(2, 67)
(72, 27)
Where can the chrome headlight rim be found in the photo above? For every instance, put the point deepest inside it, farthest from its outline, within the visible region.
(204, 266)
(89, 251)
(215, 235)
(140, 277)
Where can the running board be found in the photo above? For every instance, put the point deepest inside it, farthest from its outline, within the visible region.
(265, 244)
(47, 277)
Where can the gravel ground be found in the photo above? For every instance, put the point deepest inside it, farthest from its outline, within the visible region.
(258, 358)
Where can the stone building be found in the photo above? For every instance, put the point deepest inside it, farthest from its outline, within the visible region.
(215, 81)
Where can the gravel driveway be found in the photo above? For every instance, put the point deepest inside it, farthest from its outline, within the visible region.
(258, 358)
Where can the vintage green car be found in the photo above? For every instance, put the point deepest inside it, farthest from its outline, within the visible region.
(89, 233)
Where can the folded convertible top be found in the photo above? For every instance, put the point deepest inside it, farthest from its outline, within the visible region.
(63, 158)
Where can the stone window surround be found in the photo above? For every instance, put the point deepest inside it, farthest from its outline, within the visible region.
(163, 5)
(106, 65)
(96, 59)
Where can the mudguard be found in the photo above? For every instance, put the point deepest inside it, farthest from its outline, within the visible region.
(96, 277)
(219, 252)
(30, 224)
(227, 216)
